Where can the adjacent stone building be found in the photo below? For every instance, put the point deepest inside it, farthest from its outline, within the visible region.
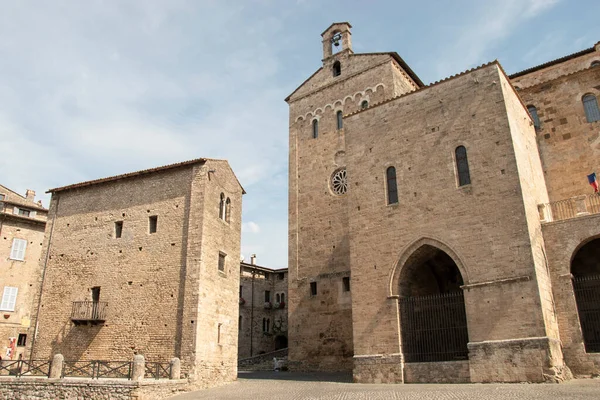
(444, 232)
(263, 309)
(145, 263)
(22, 222)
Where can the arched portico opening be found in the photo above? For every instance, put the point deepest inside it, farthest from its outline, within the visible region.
(585, 268)
(281, 342)
(432, 307)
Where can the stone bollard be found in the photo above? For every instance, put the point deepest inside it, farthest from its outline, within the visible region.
(175, 369)
(139, 368)
(56, 367)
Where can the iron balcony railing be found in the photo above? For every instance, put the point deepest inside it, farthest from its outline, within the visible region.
(570, 208)
(89, 311)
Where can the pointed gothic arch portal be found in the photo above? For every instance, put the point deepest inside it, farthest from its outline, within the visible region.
(433, 320)
(585, 268)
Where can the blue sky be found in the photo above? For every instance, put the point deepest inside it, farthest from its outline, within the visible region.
(95, 88)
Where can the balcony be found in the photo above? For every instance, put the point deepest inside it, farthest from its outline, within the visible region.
(93, 312)
(569, 208)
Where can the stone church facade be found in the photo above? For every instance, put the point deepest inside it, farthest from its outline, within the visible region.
(444, 232)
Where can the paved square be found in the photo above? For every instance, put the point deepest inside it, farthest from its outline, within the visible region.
(320, 386)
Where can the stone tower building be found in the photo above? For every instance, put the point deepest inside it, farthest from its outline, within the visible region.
(145, 263)
(442, 204)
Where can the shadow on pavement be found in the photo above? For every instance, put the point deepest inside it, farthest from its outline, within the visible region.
(337, 377)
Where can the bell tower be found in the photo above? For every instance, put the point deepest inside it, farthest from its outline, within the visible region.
(337, 36)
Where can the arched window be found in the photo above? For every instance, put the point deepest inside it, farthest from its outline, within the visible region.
(364, 104)
(534, 116)
(268, 325)
(277, 298)
(590, 106)
(337, 68)
(283, 297)
(222, 207)
(595, 63)
(264, 324)
(340, 123)
(227, 210)
(315, 125)
(462, 166)
(392, 187)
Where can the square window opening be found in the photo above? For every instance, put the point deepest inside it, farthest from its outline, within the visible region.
(152, 223)
(267, 296)
(118, 229)
(22, 340)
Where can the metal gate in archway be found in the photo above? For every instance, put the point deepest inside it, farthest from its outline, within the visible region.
(587, 296)
(434, 328)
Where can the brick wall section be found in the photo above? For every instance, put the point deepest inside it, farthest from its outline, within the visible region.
(321, 332)
(165, 295)
(418, 134)
(25, 275)
(564, 129)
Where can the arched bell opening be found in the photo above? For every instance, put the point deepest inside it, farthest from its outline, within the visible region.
(432, 308)
(585, 269)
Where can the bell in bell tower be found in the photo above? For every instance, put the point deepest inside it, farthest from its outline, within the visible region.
(336, 39)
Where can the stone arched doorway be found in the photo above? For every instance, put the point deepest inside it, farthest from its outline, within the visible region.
(585, 269)
(433, 323)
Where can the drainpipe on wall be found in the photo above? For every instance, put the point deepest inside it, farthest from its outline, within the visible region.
(252, 312)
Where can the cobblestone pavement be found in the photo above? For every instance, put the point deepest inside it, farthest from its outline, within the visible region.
(288, 386)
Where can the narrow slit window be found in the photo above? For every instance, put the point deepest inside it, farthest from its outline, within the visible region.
(221, 262)
(277, 298)
(364, 104)
(118, 229)
(462, 166)
(227, 210)
(340, 122)
(240, 319)
(283, 297)
(267, 296)
(152, 223)
(222, 206)
(346, 283)
(315, 129)
(392, 186)
(534, 116)
(590, 106)
(313, 288)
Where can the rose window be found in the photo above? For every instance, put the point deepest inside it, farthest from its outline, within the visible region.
(339, 182)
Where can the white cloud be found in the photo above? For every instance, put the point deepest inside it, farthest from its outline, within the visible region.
(250, 227)
(484, 29)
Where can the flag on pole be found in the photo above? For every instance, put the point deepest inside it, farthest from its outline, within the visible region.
(593, 181)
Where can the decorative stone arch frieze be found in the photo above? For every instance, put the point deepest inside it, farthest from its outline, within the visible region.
(360, 96)
(408, 251)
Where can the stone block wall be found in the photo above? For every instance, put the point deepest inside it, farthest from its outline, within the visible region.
(418, 134)
(320, 335)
